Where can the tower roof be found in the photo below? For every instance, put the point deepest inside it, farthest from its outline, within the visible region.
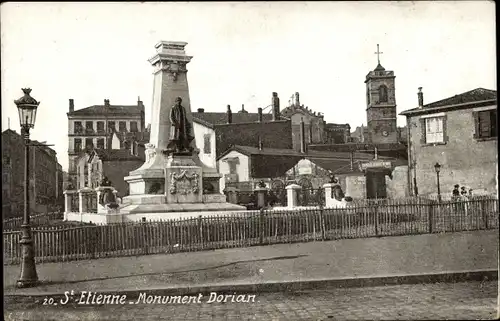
(379, 67)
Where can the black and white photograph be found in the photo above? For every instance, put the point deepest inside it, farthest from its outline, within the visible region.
(321, 160)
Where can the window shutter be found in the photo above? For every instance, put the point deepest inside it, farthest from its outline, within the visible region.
(475, 114)
(494, 131)
(422, 129)
(445, 130)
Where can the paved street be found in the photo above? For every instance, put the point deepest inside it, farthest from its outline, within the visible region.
(470, 300)
(351, 258)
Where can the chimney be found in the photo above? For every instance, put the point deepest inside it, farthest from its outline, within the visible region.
(259, 111)
(420, 98)
(276, 106)
(106, 102)
(201, 110)
(302, 136)
(297, 100)
(229, 115)
(261, 145)
(71, 105)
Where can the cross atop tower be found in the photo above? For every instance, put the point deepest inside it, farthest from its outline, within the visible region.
(378, 52)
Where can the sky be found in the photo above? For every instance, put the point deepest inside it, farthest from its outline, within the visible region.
(243, 51)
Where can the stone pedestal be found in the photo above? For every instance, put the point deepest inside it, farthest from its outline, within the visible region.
(261, 196)
(183, 180)
(68, 199)
(232, 194)
(102, 208)
(331, 201)
(83, 195)
(292, 191)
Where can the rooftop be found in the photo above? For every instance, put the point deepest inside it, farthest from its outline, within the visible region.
(250, 150)
(108, 110)
(459, 101)
(218, 118)
(116, 155)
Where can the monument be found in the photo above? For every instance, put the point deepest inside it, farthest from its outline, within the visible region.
(173, 179)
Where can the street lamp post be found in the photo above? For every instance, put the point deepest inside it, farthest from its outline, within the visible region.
(27, 107)
(437, 168)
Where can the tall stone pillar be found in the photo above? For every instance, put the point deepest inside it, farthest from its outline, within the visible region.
(292, 192)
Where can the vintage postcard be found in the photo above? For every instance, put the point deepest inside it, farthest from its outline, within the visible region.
(319, 161)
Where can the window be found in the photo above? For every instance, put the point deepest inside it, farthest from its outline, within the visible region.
(206, 144)
(382, 93)
(100, 126)
(89, 144)
(111, 126)
(486, 123)
(89, 126)
(232, 167)
(78, 144)
(122, 127)
(434, 130)
(133, 126)
(6, 161)
(78, 127)
(100, 143)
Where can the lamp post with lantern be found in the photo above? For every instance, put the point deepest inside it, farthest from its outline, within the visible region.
(437, 168)
(27, 107)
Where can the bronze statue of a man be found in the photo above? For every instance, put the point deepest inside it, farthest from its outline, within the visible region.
(180, 129)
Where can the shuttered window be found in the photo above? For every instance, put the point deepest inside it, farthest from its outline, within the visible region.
(486, 123)
(434, 132)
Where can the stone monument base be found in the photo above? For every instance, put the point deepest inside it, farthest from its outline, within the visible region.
(179, 193)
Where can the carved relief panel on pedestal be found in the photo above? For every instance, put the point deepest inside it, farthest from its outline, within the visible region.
(184, 183)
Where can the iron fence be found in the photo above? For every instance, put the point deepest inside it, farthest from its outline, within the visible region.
(227, 230)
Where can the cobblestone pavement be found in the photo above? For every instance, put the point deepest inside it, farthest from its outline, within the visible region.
(468, 300)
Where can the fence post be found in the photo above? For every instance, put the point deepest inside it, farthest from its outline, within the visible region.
(484, 212)
(322, 222)
(376, 217)
(261, 226)
(431, 215)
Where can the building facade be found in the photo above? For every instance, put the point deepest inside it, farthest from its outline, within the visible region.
(459, 133)
(215, 132)
(316, 130)
(91, 127)
(45, 176)
(114, 162)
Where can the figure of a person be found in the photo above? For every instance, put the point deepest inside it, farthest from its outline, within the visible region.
(455, 194)
(180, 128)
(337, 192)
(464, 199)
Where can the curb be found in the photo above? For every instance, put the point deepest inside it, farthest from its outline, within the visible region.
(287, 286)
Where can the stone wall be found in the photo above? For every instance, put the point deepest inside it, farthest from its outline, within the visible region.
(353, 185)
(464, 160)
(397, 186)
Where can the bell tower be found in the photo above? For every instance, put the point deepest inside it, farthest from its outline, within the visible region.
(381, 104)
